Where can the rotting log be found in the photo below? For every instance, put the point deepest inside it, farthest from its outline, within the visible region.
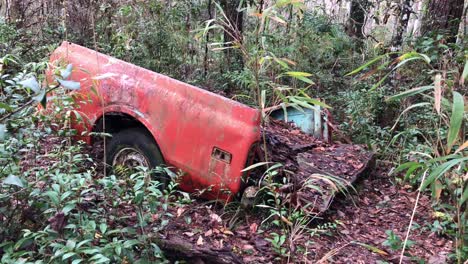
(177, 248)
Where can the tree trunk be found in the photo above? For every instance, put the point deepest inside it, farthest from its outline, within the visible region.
(357, 18)
(205, 57)
(443, 17)
(233, 58)
(405, 13)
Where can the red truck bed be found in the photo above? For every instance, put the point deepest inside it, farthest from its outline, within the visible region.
(203, 134)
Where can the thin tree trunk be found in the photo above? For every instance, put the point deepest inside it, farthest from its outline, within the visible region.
(233, 57)
(205, 57)
(405, 13)
(236, 19)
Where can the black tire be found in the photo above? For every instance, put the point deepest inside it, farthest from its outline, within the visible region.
(140, 140)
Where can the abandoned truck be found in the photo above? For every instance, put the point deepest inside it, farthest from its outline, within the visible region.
(157, 120)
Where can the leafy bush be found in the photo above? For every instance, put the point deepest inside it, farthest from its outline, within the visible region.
(55, 204)
(432, 139)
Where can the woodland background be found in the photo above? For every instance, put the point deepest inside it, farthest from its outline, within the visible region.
(393, 72)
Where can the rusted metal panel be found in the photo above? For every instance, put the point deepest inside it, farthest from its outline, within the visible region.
(187, 122)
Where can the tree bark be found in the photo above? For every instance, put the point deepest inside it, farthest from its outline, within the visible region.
(233, 58)
(205, 56)
(402, 24)
(443, 17)
(177, 248)
(357, 18)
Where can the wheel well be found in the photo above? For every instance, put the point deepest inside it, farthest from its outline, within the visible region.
(115, 122)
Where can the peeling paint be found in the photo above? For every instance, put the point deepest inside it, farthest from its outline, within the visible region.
(187, 122)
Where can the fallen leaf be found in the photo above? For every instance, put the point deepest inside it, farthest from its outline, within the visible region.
(253, 228)
(189, 234)
(227, 231)
(209, 233)
(180, 211)
(247, 247)
(216, 218)
(200, 241)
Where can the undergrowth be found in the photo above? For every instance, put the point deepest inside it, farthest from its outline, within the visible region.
(55, 203)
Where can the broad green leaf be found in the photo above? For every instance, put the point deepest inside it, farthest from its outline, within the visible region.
(437, 92)
(71, 243)
(76, 261)
(2, 131)
(410, 171)
(302, 103)
(256, 165)
(405, 166)
(103, 228)
(443, 158)
(5, 106)
(53, 196)
(372, 248)
(304, 79)
(313, 101)
(31, 83)
(39, 97)
(425, 58)
(90, 251)
(317, 102)
(412, 56)
(83, 242)
(68, 255)
(13, 180)
(281, 62)
(409, 93)
(68, 208)
(402, 63)
(71, 85)
(455, 120)
(297, 107)
(66, 72)
(366, 65)
(464, 196)
(298, 74)
(440, 170)
(277, 19)
(130, 243)
(375, 86)
(465, 73)
(282, 3)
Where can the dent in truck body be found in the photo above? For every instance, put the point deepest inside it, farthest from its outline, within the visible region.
(187, 123)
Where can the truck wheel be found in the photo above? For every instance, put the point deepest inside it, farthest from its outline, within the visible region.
(134, 147)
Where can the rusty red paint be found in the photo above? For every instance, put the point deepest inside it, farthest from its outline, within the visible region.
(187, 122)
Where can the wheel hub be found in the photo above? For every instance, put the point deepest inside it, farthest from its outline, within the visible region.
(130, 158)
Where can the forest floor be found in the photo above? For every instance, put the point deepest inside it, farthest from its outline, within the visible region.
(352, 230)
(363, 219)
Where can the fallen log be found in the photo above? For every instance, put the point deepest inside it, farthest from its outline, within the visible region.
(177, 248)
